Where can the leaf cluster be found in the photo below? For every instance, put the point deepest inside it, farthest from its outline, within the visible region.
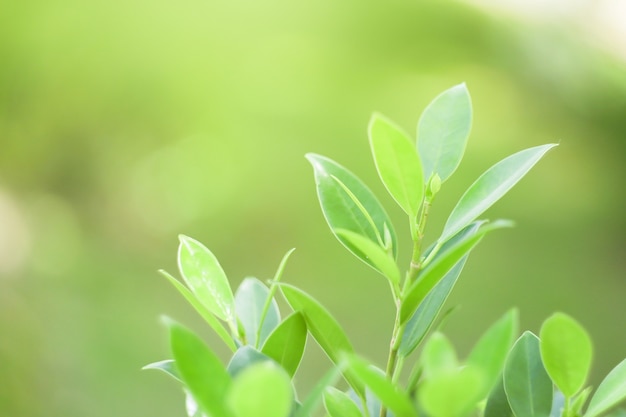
(505, 374)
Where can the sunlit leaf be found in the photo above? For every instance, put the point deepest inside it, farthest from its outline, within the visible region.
(422, 320)
(261, 390)
(323, 327)
(527, 384)
(339, 404)
(451, 394)
(250, 300)
(348, 204)
(286, 343)
(205, 277)
(398, 164)
(389, 393)
(438, 356)
(374, 254)
(167, 366)
(491, 350)
(566, 352)
(440, 266)
(490, 187)
(200, 369)
(610, 392)
(213, 322)
(443, 130)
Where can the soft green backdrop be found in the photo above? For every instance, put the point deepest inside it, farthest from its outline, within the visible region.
(124, 123)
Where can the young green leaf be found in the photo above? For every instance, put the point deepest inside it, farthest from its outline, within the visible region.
(323, 327)
(422, 320)
(206, 278)
(245, 357)
(374, 254)
(443, 130)
(200, 369)
(202, 310)
(348, 204)
(440, 266)
(398, 164)
(490, 187)
(167, 366)
(610, 392)
(438, 356)
(497, 402)
(579, 401)
(490, 352)
(566, 352)
(339, 404)
(250, 300)
(389, 393)
(453, 393)
(527, 384)
(286, 343)
(262, 390)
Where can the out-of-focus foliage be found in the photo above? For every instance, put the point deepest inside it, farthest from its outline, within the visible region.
(123, 124)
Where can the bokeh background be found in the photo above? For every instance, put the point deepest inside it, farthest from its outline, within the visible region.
(125, 123)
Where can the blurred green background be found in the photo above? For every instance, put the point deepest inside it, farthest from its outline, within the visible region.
(124, 123)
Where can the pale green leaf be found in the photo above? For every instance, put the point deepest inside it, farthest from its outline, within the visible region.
(349, 204)
(490, 187)
(398, 164)
(250, 299)
(245, 357)
(610, 392)
(205, 278)
(443, 130)
(339, 404)
(527, 384)
(566, 352)
(374, 254)
(451, 394)
(261, 390)
(167, 366)
(315, 395)
(286, 343)
(438, 356)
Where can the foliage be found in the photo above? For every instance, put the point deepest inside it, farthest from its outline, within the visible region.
(505, 374)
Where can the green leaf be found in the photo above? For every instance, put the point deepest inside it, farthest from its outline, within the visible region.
(490, 352)
(566, 352)
(250, 300)
(443, 130)
(579, 401)
(438, 356)
(348, 204)
(558, 404)
(422, 320)
(202, 310)
(339, 404)
(374, 254)
(610, 392)
(527, 384)
(245, 357)
(389, 393)
(398, 163)
(497, 403)
(440, 266)
(262, 390)
(200, 369)
(452, 393)
(311, 401)
(490, 187)
(323, 327)
(286, 343)
(206, 278)
(167, 366)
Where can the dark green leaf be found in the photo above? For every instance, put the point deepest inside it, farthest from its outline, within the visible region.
(286, 343)
(348, 204)
(250, 300)
(527, 384)
(206, 278)
(398, 164)
(443, 130)
(497, 403)
(201, 370)
(490, 187)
